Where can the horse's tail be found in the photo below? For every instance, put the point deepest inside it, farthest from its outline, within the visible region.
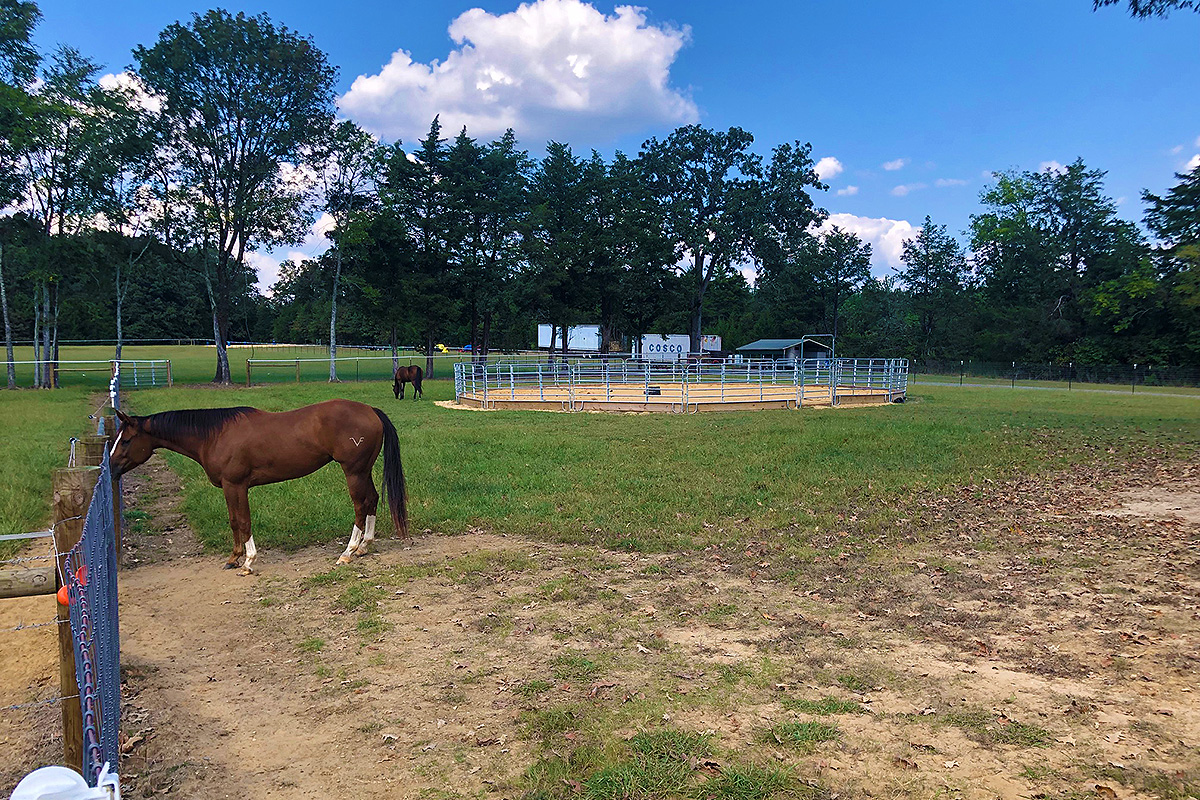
(393, 475)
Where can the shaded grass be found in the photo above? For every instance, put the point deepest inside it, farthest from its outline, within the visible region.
(665, 482)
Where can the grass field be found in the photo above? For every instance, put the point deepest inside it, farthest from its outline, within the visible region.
(34, 439)
(661, 482)
(914, 600)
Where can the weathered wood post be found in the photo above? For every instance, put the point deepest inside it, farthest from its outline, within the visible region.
(170, 379)
(73, 488)
(92, 449)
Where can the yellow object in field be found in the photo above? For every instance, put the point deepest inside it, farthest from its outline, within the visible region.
(441, 348)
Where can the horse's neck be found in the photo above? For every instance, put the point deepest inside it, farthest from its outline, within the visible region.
(190, 446)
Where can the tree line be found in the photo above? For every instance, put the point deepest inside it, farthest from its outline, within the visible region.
(140, 198)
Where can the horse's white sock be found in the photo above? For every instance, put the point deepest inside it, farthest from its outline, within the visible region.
(355, 541)
(368, 536)
(251, 554)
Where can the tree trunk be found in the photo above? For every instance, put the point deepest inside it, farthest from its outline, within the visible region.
(553, 339)
(485, 347)
(47, 378)
(395, 353)
(429, 353)
(337, 276)
(8, 342)
(54, 340)
(474, 332)
(37, 336)
(120, 298)
(698, 305)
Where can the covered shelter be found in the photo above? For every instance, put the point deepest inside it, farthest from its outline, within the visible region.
(799, 348)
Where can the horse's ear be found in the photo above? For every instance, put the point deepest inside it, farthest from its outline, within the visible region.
(125, 418)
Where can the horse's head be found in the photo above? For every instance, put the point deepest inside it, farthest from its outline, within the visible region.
(133, 446)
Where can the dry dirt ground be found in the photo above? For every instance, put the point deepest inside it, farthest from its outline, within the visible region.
(1035, 639)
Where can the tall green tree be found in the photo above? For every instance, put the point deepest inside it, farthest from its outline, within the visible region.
(415, 194)
(556, 241)
(18, 67)
(844, 265)
(77, 145)
(934, 273)
(708, 183)
(348, 163)
(243, 98)
(1174, 218)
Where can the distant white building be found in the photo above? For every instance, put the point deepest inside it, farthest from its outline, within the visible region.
(579, 337)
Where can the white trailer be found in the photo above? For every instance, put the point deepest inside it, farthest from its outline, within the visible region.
(579, 337)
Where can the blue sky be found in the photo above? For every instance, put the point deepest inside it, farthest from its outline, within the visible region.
(940, 91)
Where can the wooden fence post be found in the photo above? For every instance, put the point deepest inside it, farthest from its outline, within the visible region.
(170, 380)
(93, 448)
(73, 488)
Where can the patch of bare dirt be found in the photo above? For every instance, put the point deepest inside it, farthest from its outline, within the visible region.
(1006, 641)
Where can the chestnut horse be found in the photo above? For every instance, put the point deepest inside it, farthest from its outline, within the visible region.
(243, 447)
(411, 374)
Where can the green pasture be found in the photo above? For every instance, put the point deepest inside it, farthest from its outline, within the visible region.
(661, 482)
(35, 431)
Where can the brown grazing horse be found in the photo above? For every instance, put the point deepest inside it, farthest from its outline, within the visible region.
(243, 447)
(411, 374)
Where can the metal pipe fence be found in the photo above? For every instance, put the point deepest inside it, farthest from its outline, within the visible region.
(140, 373)
(680, 384)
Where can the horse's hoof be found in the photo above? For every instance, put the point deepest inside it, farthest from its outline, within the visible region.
(244, 571)
(343, 559)
(230, 565)
(362, 551)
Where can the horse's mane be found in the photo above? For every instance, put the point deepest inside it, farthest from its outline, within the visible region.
(192, 422)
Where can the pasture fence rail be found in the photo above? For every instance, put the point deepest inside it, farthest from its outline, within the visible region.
(139, 373)
(1051, 374)
(572, 383)
(82, 560)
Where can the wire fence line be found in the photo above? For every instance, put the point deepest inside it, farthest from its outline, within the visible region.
(1148, 375)
(88, 573)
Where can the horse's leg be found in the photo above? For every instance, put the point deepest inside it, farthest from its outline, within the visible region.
(396, 388)
(402, 385)
(366, 499)
(238, 501)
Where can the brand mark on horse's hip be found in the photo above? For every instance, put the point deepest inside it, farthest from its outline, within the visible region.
(358, 442)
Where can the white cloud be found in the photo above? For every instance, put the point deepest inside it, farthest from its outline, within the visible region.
(1052, 167)
(849, 191)
(904, 189)
(1198, 141)
(828, 167)
(131, 83)
(267, 264)
(886, 237)
(550, 69)
(946, 183)
(1195, 162)
(892, 166)
(1176, 150)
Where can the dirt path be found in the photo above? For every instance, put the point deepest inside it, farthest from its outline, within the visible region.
(1029, 640)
